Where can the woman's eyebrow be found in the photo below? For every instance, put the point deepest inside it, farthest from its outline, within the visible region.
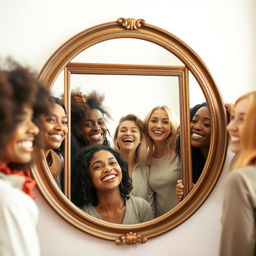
(97, 162)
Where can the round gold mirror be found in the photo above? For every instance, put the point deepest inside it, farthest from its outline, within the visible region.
(182, 77)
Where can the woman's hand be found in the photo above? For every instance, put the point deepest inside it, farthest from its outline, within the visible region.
(179, 190)
(229, 108)
(78, 98)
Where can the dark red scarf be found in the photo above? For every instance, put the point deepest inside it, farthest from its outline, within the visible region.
(29, 182)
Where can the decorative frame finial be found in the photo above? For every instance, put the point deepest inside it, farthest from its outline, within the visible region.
(130, 23)
(130, 239)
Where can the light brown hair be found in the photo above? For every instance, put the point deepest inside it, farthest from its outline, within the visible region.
(139, 157)
(247, 154)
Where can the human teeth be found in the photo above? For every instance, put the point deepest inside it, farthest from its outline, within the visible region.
(57, 137)
(196, 136)
(96, 136)
(128, 140)
(234, 139)
(158, 132)
(109, 177)
(26, 145)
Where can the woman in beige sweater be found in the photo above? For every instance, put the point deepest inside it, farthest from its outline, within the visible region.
(238, 221)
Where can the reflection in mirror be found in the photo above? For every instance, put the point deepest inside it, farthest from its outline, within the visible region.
(124, 94)
(200, 128)
(105, 187)
(136, 43)
(53, 132)
(130, 94)
(164, 163)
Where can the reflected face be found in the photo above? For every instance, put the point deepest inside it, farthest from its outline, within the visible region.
(55, 128)
(159, 127)
(236, 123)
(20, 145)
(128, 136)
(105, 171)
(94, 128)
(201, 128)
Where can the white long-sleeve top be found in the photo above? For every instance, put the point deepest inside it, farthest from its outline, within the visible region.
(18, 219)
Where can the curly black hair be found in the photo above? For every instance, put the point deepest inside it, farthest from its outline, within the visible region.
(26, 90)
(85, 193)
(7, 110)
(78, 113)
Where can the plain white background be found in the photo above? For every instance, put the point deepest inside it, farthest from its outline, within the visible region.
(222, 32)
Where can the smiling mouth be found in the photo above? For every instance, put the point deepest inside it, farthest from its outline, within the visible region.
(196, 136)
(26, 145)
(158, 132)
(234, 139)
(109, 178)
(128, 140)
(96, 137)
(56, 137)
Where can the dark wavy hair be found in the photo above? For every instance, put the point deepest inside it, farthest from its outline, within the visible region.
(85, 193)
(78, 113)
(26, 90)
(58, 101)
(198, 160)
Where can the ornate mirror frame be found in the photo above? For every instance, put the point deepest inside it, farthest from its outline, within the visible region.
(138, 29)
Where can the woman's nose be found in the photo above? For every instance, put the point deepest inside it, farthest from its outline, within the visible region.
(108, 169)
(59, 126)
(128, 132)
(33, 129)
(96, 127)
(197, 127)
(158, 124)
(232, 126)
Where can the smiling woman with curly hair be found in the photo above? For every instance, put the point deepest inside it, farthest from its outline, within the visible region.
(20, 105)
(105, 186)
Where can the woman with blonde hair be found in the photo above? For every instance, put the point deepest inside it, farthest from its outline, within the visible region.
(128, 138)
(159, 152)
(238, 220)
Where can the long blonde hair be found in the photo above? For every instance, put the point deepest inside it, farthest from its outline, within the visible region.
(147, 149)
(247, 154)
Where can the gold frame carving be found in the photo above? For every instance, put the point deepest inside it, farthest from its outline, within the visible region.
(130, 28)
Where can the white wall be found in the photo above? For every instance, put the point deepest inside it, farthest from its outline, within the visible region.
(222, 32)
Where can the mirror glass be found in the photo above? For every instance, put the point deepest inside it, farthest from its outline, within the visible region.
(126, 94)
(130, 94)
(187, 84)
